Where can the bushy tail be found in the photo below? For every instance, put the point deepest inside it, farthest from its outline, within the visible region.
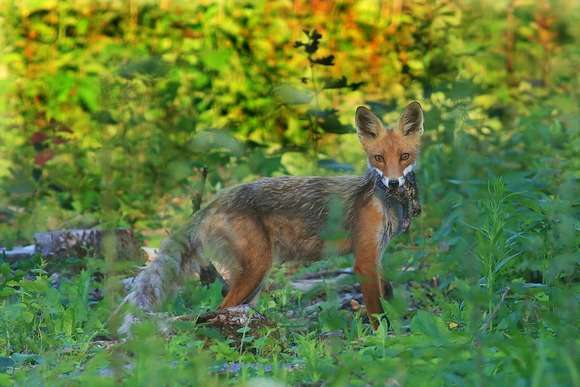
(177, 259)
(159, 278)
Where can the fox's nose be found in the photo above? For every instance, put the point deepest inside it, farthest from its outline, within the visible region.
(393, 183)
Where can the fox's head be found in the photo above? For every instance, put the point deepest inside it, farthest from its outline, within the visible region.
(392, 151)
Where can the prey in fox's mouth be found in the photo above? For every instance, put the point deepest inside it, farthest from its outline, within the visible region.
(408, 197)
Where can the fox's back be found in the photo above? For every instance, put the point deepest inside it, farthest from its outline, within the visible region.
(308, 197)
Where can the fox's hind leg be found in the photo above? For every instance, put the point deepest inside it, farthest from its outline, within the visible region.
(251, 248)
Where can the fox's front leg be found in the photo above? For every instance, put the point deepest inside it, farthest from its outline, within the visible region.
(366, 266)
(367, 244)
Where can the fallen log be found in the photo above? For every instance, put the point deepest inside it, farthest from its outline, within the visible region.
(17, 253)
(120, 244)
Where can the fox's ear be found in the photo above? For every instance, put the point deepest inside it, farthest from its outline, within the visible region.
(411, 121)
(367, 124)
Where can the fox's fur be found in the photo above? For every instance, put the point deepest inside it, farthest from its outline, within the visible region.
(248, 226)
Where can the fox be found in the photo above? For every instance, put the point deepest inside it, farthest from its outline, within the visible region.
(250, 227)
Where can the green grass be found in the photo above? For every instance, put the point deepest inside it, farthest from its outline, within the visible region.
(485, 294)
(482, 322)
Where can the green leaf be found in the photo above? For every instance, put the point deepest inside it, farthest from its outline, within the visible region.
(216, 59)
(27, 316)
(291, 95)
(429, 325)
(329, 122)
(89, 92)
(103, 117)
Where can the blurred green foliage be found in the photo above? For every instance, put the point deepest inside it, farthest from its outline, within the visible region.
(109, 110)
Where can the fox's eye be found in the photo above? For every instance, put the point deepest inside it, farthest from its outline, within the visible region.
(404, 156)
(380, 158)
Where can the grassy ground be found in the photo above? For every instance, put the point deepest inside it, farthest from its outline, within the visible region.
(485, 284)
(469, 309)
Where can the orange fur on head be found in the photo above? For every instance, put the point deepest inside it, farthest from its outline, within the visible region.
(391, 150)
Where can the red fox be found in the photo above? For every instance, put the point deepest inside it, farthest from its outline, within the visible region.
(282, 218)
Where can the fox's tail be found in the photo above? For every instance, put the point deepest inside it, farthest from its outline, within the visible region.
(158, 279)
(178, 259)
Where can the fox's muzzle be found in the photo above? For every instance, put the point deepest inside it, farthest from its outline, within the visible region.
(394, 182)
